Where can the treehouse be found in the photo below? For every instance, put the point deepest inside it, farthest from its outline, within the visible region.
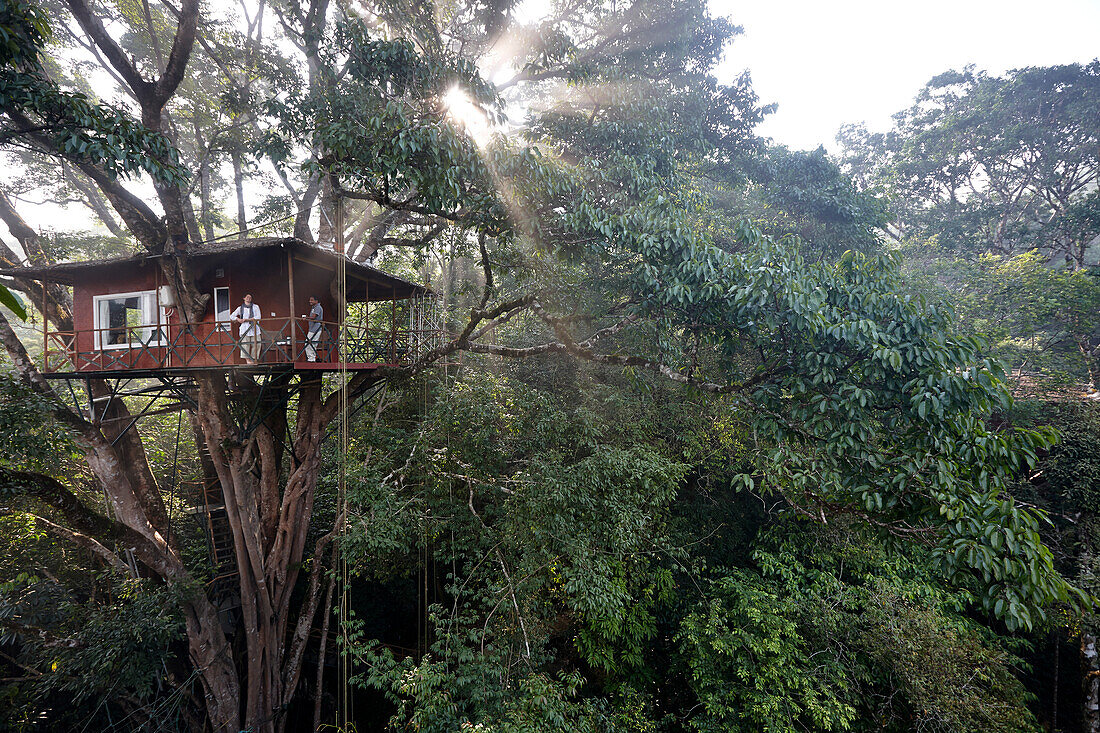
(125, 319)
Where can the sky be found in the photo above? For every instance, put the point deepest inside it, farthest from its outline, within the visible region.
(831, 63)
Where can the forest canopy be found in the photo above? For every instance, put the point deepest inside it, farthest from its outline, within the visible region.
(714, 435)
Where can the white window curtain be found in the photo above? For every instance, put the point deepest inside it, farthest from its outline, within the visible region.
(126, 320)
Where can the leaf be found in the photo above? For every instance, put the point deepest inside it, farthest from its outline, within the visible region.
(13, 303)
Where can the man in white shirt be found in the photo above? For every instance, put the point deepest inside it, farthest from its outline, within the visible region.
(248, 315)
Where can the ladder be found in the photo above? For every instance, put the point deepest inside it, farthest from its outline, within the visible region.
(223, 588)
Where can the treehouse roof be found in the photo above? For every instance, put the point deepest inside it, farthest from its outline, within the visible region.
(67, 273)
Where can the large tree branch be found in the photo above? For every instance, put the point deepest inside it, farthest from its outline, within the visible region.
(77, 538)
(135, 507)
(115, 55)
(53, 301)
(584, 350)
(140, 219)
(88, 528)
(462, 342)
(409, 204)
(181, 51)
(56, 495)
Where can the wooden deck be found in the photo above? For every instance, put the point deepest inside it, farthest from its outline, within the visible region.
(179, 349)
(144, 373)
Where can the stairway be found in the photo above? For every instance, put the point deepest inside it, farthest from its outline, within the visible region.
(223, 588)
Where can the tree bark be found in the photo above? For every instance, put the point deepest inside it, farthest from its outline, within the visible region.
(55, 304)
(238, 183)
(206, 223)
(1090, 667)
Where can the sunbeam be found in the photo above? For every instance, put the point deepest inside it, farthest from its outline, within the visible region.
(462, 110)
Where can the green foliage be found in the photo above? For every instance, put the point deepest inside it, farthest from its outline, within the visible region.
(464, 691)
(744, 652)
(871, 402)
(82, 653)
(1070, 477)
(831, 630)
(986, 163)
(518, 491)
(12, 302)
(1040, 317)
(561, 517)
(81, 129)
(952, 678)
(806, 194)
(29, 438)
(548, 518)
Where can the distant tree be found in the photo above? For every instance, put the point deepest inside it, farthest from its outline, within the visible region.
(807, 194)
(999, 164)
(992, 187)
(1003, 166)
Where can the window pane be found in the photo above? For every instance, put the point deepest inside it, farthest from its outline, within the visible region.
(121, 314)
(222, 307)
(221, 295)
(130, 319)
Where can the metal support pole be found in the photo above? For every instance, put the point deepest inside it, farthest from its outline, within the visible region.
(293, 322)
(341, 277)
(46, 332)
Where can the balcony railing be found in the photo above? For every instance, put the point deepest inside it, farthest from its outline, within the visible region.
(208, 344)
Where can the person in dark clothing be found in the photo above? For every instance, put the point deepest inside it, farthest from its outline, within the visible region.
(315, 316)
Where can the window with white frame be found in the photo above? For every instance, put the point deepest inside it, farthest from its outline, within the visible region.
(222, 308)
(126, 320)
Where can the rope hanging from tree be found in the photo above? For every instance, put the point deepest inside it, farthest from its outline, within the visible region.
(346, 715)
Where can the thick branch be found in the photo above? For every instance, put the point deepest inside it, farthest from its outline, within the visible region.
(88, 527)
(180, 53)
(51, 492)
(114, 53)
(78, 538)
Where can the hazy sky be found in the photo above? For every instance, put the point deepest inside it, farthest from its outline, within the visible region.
(830, 63)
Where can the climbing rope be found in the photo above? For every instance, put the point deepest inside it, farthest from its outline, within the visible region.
(346, 713)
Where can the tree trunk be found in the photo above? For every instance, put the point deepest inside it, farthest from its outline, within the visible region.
(205, 217)
(238, 182)
(1090, 665)
(1091, 354)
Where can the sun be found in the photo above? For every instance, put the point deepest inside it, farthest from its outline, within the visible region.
(468, 116)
